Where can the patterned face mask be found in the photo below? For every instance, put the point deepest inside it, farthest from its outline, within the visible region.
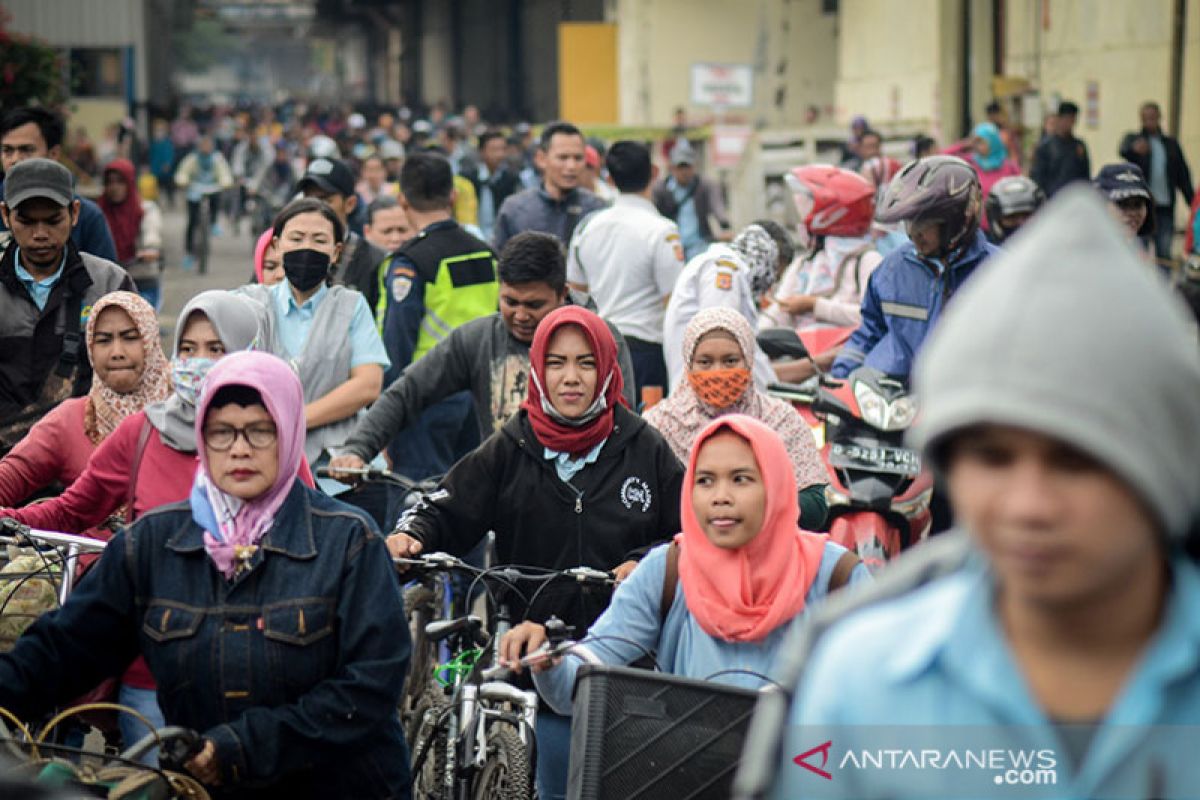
(187, 374)
(720, 388)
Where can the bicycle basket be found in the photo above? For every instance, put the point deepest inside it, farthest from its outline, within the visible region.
(639, 735)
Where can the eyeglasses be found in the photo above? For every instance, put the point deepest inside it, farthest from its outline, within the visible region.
(222, 438)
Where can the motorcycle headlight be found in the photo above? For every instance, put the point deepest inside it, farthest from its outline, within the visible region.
(872, 405)
(881, 415)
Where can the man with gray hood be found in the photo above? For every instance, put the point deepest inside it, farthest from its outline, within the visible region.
(1072, 630)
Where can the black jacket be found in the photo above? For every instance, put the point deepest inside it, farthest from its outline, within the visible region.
(358, 268)
(31, 339)
(1059, 161)
(612, 511)
(503, 183)
(1178, 175)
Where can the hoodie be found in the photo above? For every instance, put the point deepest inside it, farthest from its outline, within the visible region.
(1068, 334)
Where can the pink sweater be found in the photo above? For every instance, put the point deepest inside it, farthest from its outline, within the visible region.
(55, 449)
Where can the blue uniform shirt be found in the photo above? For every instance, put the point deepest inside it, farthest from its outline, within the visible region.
(39, 290)
(294, 322)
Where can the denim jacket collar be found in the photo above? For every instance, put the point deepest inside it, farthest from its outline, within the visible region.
(291, 535)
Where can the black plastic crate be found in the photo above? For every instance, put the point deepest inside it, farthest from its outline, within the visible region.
(641, 735)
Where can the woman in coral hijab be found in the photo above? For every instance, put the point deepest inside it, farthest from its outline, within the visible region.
(745, 573)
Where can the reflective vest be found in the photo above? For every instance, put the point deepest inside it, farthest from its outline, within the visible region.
(460, 281)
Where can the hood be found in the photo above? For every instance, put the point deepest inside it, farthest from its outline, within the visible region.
(1068, 332)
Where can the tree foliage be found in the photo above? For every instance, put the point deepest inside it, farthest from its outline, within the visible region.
(31, 71)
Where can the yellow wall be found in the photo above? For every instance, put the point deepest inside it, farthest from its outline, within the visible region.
(587, 72)
(659, 40)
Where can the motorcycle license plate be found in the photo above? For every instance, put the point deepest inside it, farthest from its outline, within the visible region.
(894, 460)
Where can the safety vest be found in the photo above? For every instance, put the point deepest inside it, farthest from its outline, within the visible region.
(460, 281)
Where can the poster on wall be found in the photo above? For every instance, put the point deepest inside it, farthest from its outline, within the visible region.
(722, 85)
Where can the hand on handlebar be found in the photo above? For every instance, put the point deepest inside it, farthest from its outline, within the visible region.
(350, 462)
(621, 571)
(204, 765)
(401, 545)
(521, 642)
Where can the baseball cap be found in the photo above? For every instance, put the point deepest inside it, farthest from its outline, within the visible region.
(591, 157)
(38, 177)
(1121, 181)
(329, 175)
(682, 153)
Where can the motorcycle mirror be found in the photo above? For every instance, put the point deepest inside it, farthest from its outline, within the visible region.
(782, 343)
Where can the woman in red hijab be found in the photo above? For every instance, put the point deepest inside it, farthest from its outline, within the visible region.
(136, 227)
(743, 571)
(574, 479)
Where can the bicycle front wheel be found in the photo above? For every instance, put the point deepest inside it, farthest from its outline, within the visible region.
(507, 773)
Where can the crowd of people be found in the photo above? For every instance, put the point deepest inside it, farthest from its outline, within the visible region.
(564, 339)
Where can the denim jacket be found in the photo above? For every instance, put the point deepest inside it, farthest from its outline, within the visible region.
(294, 669)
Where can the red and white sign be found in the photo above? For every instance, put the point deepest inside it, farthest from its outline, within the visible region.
(728, 144)
(723, 85)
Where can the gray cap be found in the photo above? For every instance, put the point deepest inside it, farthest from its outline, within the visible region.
(38, 177)
(682, 153)
(1069, 333)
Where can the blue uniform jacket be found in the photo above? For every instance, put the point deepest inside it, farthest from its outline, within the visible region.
(904, 298)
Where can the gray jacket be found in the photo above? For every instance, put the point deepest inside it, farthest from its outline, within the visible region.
(481, 357)
(535, 210)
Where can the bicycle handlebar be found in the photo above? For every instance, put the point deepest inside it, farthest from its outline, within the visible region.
(444, 562)
(13, 532)
(371, 474)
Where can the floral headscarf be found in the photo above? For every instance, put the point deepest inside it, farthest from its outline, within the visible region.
(761, 254)
(105, 407)
(682, 416)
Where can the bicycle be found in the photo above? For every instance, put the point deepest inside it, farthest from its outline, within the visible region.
(201, 237)
(117, 775)
(383, 494)
(475, 732)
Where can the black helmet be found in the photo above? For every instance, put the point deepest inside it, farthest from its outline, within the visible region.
(942, 189)
(1015, 194)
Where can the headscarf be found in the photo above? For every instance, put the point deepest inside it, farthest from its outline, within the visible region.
(106, 407)
(236, 320)
(231, 524)
(260, 253)
(742, 595)
(997, 151)
(552, 429)
(124, 218)
(682, 416)
(761, 254)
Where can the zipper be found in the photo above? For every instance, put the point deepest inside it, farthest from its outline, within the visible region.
(579, 504)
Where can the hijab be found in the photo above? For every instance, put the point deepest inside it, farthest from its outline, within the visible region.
(124, 218)
(761, 254)
(997, 151)
(552, 429)
(236, 320)
(742, 595)
(231, 524)
(260, 253)
(682, 416)
(106, 407)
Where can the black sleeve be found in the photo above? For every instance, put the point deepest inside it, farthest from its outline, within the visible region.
(460, 512)
(69, 651)
(443, 371)
(670, 488)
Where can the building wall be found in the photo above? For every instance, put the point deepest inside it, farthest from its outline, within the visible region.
(1124, 46)
(791, 44)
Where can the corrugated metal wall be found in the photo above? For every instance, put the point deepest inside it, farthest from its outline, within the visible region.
(79, 23)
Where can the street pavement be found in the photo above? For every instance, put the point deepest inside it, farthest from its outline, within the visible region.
(230, 264)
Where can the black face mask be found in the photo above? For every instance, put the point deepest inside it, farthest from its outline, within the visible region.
(305, 269)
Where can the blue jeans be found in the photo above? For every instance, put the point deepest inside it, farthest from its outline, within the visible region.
(145, 702)
(553, 754)
(445, 433)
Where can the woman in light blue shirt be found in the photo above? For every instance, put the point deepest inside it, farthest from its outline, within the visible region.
(1070, 644)
(743, 573)
(326, 332)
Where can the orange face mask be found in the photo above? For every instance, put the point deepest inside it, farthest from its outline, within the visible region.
(720, 388)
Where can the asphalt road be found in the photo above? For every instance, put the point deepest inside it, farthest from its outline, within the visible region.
(230, 264)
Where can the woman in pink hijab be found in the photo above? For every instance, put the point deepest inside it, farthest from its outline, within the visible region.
(742, 572)
(268, 266)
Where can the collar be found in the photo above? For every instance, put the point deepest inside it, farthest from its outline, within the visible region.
(287, 300)
(24, 275)
(568, 197)
(291, 535)
(565, 458)
(634, 201)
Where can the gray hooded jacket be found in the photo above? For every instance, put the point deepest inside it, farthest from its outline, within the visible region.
(1069, 334)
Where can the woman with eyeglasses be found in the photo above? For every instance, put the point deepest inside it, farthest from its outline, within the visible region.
(269, 614)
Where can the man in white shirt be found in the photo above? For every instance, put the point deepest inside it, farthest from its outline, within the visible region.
(628, 258)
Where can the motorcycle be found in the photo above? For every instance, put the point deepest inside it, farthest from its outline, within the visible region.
(879, 491)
